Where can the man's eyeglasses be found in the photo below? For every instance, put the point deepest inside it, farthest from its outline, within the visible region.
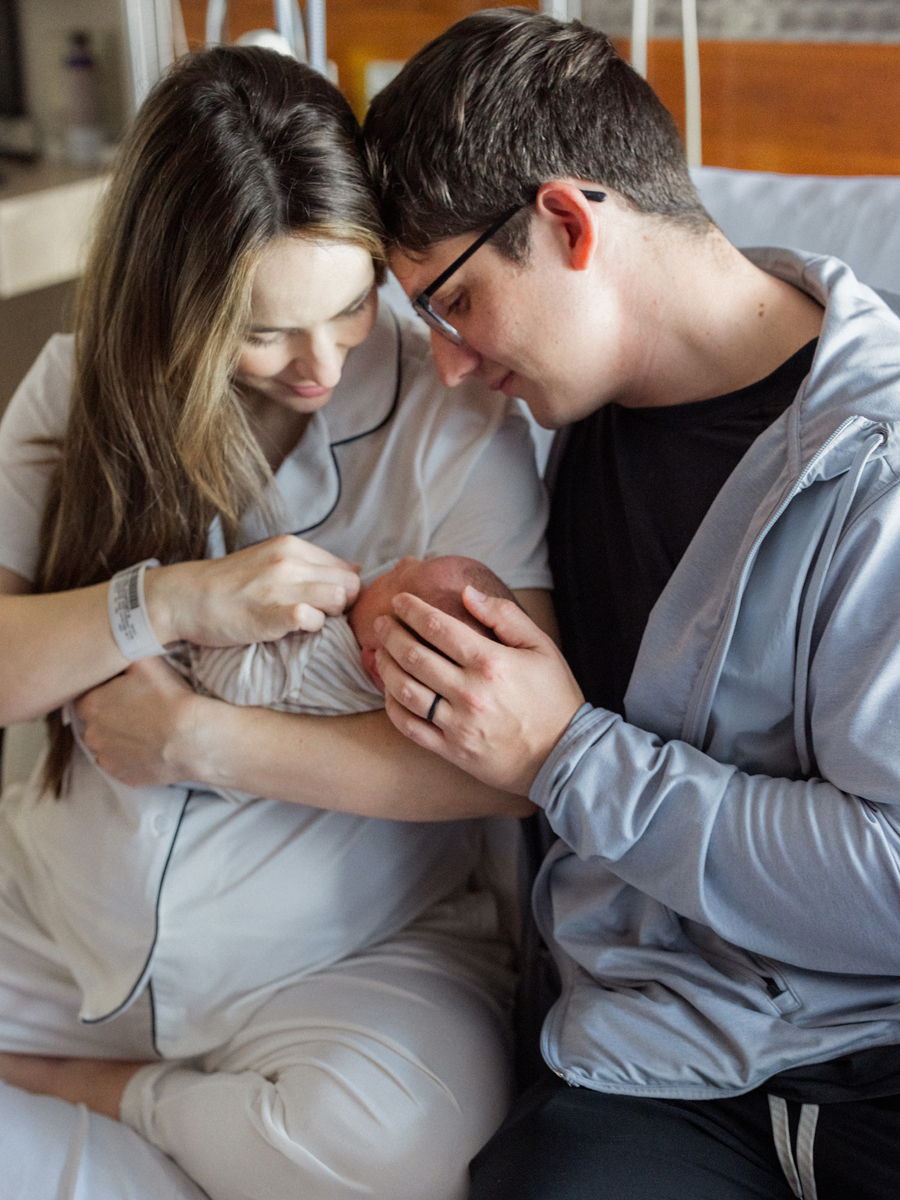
(422, 302)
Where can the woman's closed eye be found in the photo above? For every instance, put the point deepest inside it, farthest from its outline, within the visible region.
(359, 307)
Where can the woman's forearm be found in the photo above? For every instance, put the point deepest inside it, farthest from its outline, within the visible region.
(357, 763)
(52, 648)
(56, 646)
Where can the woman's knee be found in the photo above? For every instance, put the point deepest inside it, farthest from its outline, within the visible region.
(382, 1122)
(339, 1121)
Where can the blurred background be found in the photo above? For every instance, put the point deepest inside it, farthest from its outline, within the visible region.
(793, 86)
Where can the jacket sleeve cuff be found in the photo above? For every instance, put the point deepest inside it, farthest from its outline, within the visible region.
(584, 729)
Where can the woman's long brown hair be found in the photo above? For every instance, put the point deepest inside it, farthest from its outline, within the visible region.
(233, 148)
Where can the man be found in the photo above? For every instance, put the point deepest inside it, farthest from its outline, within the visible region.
(724, 900)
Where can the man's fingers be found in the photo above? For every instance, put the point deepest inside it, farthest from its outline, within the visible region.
(512, 626)
(412, 673)
(429, 737)
(417, 698)
(457, 641)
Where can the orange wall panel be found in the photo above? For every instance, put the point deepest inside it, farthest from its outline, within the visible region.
(821, 108)
(357, 30)
(801, 107)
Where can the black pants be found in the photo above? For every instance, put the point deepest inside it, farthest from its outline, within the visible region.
(564, 1143)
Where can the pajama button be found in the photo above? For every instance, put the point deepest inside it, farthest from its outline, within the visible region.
(162, 824)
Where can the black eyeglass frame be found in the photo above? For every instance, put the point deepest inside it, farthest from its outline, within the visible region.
(422, 302)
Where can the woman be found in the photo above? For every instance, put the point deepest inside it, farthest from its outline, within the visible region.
(285, 1000)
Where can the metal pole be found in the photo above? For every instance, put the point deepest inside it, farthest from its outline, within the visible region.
(559, 9)
(640, 35)
(693, 140)
(147, 26)
(215, 22)
(315, 36)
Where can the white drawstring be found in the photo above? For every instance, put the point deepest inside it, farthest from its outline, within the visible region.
(781, 1133)
(799, 1174)
(806, 1136)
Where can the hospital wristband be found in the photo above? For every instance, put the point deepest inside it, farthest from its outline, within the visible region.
(128, 616)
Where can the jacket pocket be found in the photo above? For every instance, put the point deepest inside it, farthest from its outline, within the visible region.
(777, 988)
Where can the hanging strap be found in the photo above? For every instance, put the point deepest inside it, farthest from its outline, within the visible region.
(810, 609)
(799, 1174)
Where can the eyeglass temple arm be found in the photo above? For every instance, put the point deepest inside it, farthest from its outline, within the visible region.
(489, 233)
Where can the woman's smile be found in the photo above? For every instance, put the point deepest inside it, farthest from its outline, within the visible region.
(311, 303)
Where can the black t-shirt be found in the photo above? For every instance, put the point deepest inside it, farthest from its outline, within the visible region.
(632, 488)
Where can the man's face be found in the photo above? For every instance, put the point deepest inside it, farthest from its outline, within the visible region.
(527, 331)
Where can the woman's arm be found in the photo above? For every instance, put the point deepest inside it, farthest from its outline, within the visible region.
(148, 727)
(55, 647)
(52, 648)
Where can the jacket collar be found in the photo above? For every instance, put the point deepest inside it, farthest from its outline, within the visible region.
(856, 368)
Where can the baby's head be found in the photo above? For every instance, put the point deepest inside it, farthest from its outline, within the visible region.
(437, 581)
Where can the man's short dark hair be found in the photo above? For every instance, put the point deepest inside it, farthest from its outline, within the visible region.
(504, 101)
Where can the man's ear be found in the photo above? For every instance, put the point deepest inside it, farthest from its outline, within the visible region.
(564, 204)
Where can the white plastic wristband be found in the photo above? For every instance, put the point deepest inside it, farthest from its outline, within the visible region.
(128, 614)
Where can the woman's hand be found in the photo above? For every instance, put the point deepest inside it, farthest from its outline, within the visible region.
(254, 595)
(503, 707)
(141, 726)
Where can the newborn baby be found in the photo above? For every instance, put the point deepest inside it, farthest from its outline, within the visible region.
(332, 672)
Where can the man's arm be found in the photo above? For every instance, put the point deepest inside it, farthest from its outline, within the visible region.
(805, 871)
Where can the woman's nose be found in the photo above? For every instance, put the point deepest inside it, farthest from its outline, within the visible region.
(319, 359)
(454, 363)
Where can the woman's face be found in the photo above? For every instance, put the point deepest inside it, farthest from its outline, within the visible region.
(311, 302)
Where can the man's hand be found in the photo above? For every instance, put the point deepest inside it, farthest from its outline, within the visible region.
(503, 707)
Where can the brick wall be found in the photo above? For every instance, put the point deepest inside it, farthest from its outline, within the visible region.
(800, 20)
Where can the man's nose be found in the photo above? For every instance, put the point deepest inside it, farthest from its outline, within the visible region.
(453, 363)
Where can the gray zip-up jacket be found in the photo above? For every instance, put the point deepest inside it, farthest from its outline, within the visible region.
(725, 901)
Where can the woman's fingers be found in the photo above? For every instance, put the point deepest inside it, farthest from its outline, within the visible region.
(134, 723)
(318, 555)
(255, 595)
(306, 618)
